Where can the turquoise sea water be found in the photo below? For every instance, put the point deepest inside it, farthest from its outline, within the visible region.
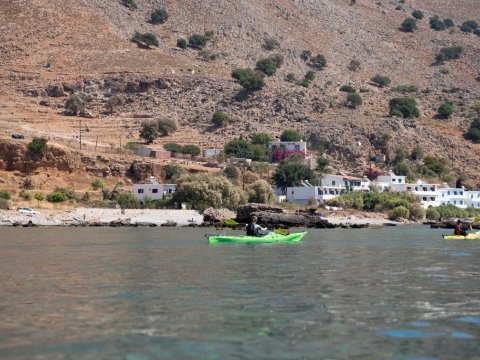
(151, 293)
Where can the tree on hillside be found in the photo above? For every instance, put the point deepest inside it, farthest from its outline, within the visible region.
(260, 138)
(271, 43)
(290, 135)
(446, 109)
(404, 107)
(417, 14)
(75, 104)
(166, 126)
(248, 79)
(381, 81)
(149, 131)
(449, 53)
(159, 16)
(238, 148)
(318, 62)
(38, 146)
(292, 173)
(192, 150)
(409, 24)
(260, 192)
(206, 190)
(220, 118)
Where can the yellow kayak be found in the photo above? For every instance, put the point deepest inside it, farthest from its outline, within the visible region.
(471, 236)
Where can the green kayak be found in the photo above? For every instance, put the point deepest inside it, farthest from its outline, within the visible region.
(471, 236)
(269, 238)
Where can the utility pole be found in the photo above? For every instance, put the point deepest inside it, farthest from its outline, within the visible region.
(80, 130)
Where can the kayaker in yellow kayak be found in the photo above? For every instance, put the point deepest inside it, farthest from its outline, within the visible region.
(253, 229)
(459, 229)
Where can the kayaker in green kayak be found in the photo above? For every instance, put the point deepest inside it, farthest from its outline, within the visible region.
(253, 229)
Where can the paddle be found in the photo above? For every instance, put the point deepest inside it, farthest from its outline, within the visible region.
(282, 231)
(230, 222)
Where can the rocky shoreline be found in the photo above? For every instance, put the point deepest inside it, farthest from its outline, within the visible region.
(268, 216)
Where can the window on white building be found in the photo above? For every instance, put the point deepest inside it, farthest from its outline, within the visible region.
(333, 182)
(140, 191)
(432, 199)
(399, 181)
(155, 191)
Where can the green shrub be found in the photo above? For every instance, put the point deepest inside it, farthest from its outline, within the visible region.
(445, 110)
(5, 195)
(381, 80)
(166, 126)
(318, 62)
(39, 196)
(290, 135)
(404, 107)
(74, 104)
(207, 56)
(238, 148)
(305, 55)
(401, 168)
(207, 190)
(309, 76)
(38, 146)
(432, 214)
(417, 213)
(473, 132)
(409, 24)
(267, 66)
(192, 150)
(433, 166)
(259, 152)
(271, 43)
(149, 131)
(449, 53)
(232, 173)
(173, 147)
(292, 173)
(417, 153)
(98, 184)
(437, 24)
(354, 65)
(260, 192)
(354, 100)
(57, 196)
(248, 79)
(469, 26)
(159, 16)
(25, 195)
(291, 78)
(322, 164)
(4, 204)
(220, 118)
(173, 171)
(347, 88)
(405, 89)
(182, 43)
(448, 23)
(260, 138)
(398, 213)
(148, 39)
(197, 41)
(451, 211)
(113, 102)
(127, 201)
(131, 4)
(477, 31)
(417, 14)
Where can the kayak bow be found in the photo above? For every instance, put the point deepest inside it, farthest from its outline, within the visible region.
(471, 236)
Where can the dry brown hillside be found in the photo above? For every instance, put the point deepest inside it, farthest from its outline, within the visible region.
(84, 46)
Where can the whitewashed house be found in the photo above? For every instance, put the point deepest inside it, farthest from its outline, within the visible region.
(331, 187)
(288, 147)
(473, 199)
(153, 190)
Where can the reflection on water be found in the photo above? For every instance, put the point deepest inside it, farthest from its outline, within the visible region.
(134, 293)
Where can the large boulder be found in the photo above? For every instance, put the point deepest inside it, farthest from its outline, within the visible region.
(218, 215)
(276, 216)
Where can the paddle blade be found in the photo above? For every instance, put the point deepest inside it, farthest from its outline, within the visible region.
(282, 231)
(230, 222)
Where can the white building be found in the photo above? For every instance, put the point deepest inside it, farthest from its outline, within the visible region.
(331, 187)
(211, 153)
(288, 146)
(153, 190)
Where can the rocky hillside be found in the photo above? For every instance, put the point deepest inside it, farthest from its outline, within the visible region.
(49, 49)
